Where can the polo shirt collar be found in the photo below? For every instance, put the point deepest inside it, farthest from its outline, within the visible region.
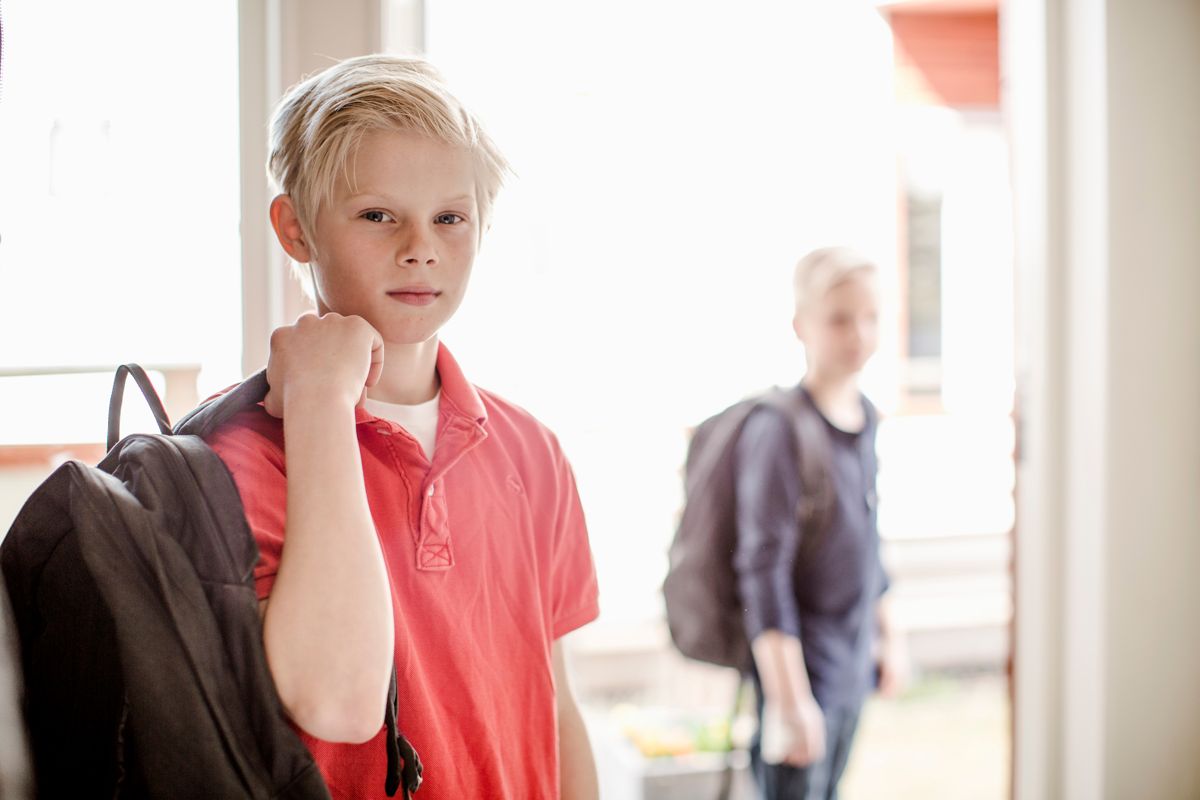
(457, 391)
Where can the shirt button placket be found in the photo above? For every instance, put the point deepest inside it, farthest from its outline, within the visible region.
(433, 549)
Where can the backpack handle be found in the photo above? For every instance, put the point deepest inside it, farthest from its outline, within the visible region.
(209, 415)
(118, 394)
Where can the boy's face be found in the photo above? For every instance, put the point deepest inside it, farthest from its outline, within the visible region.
(396, 246)
(841, 330)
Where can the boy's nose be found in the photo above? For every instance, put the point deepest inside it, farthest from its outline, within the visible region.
(417, 250)
(414, 260)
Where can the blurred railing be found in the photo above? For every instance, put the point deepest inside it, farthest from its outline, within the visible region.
(179, 395)
(952, 594)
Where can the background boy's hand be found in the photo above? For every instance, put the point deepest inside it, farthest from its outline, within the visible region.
(894, 666)
(793, 735)
(336, 356)
(808, 725)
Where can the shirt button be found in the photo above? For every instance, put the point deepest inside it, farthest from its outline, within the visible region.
(430, 492)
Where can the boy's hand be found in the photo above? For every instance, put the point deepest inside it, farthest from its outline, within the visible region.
(807, 725)
(332, 355)
(894, 666)
(794, 735)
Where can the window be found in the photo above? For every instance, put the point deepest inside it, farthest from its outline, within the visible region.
(119, 202)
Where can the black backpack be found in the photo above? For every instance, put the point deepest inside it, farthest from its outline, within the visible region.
(131, 585)
(704, 608)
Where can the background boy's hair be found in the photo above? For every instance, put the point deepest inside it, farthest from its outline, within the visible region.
(823, 269)
(320, 121)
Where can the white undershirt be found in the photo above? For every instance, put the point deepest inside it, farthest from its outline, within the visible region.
(420, 420)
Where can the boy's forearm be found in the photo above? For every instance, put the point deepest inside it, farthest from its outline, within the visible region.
(328, 628)
(779, 659)
(576, 764)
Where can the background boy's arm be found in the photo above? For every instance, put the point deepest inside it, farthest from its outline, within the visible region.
(577, 767)
(779, 659)
(767, 494)
(327, 626)
(894, 669)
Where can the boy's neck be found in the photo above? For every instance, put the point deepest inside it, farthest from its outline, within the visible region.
(835, 391)
(838, 398)
(409, 373)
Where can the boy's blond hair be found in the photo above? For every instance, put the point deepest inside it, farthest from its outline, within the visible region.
(823, 269)
(319, 122)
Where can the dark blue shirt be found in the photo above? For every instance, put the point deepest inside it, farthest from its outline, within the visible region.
(825, 592)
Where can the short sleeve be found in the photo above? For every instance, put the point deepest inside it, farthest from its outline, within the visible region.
(251, 445)
(574, 590)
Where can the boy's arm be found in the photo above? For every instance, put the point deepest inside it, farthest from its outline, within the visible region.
(577, 767)
(779, 659)
(767, 494)
(327, 626)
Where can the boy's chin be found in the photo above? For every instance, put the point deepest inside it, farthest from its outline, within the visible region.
(409, 339)
(847, 369)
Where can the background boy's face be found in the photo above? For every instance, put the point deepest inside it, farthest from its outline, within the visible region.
(395, 245)
(841, 330)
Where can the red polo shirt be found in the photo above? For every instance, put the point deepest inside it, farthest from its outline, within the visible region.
(488, 557)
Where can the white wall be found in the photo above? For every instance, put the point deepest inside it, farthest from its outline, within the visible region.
(1107, 172)
(1152, 696)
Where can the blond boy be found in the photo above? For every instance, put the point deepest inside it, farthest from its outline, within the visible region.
(412, 518)
(813, 607)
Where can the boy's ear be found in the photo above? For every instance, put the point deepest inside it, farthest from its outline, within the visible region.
(288, 230)
(798, 326)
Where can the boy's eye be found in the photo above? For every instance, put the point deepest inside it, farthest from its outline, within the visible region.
(375, 216)
(448, 219)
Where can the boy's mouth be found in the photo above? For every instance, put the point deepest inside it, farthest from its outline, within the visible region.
(415, 295)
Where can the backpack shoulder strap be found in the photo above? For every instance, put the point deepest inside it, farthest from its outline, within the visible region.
(208, 416)
(813, 452)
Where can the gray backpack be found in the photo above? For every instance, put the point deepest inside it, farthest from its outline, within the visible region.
(704, 609)
(132, 592)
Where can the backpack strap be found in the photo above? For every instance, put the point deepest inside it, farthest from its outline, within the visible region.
(403, 765)
(813, 451)
(725, 789)
(816, 457)
(208, 416)
(118, 394)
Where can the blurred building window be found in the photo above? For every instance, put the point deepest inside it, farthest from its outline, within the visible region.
(946, 64)
(923, 287)
(924, 273)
